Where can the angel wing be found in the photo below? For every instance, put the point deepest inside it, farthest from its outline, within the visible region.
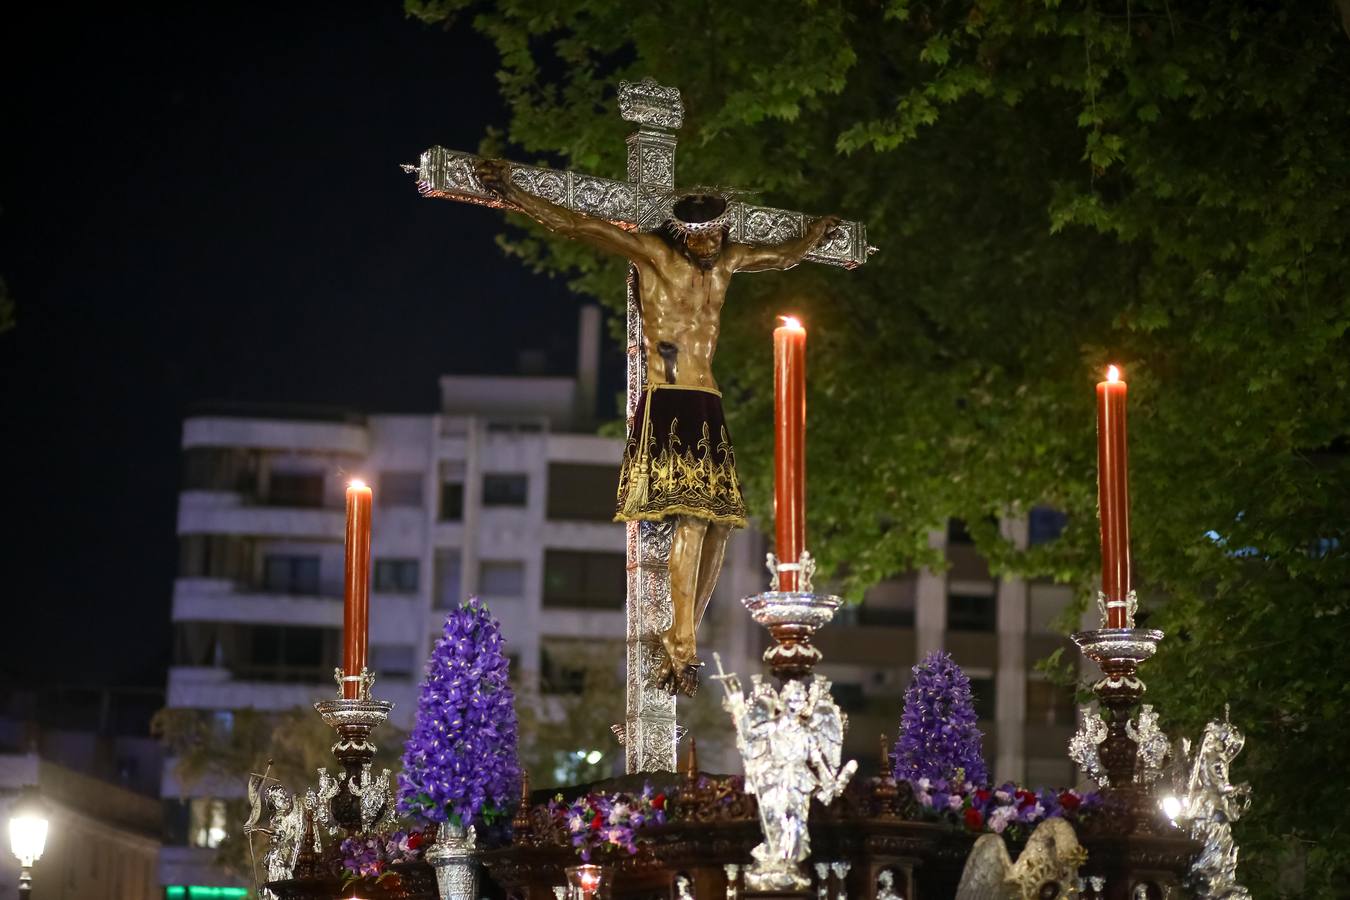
(986, 872)
(1052, 854)
(828, 724)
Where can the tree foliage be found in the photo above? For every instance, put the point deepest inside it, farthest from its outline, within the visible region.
(1156, 183)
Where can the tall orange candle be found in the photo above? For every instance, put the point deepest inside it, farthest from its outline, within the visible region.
(356, 587)
(1113, 496)
(789, 457)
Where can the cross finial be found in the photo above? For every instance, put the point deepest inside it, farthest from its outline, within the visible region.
(648, 103)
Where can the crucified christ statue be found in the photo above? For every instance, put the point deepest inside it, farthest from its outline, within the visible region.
(678, 461)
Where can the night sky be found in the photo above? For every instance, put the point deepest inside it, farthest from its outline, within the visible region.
(203, 203)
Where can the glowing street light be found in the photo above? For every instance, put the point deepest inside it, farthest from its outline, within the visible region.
(28, 835)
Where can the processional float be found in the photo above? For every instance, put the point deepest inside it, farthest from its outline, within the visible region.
(799, 810)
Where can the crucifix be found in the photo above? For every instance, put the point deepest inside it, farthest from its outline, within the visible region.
(678, 491)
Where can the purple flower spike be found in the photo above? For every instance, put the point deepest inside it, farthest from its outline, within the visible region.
(938, 738)
(460, 763)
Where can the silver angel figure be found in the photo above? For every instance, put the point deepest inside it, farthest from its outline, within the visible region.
(886, 886)
(1051, 858)
(1209, 806)
(286, 829)
(1083, 746)
(1152, 745)
(790, 742)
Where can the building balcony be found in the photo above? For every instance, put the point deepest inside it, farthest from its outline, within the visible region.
(225, 512)
(225, 600)
(261, 688)
(283, 434)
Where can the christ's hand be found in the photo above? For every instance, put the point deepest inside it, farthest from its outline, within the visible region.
(495, 175)
(821, 227)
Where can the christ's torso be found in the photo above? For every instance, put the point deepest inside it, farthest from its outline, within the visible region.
(681, 317)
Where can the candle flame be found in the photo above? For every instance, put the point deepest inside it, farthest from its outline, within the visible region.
(791, 322)
(1112, 373)
(357, 484)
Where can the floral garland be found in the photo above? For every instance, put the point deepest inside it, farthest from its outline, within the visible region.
(598, 820)
(1006, 808)
(370, 856)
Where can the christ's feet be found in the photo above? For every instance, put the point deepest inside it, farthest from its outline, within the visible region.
(678, 671)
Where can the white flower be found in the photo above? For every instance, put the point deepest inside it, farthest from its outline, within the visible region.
(955, 801)
(618, 813)
(998, 819)
(575, 823)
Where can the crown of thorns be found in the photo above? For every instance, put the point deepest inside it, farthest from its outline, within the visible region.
(701, 210)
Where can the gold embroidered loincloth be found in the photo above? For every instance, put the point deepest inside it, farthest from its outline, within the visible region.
(678, 459)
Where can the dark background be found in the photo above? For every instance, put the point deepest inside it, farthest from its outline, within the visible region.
(202, 202)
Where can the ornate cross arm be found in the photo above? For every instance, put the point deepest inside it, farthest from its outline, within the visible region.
(450, 174)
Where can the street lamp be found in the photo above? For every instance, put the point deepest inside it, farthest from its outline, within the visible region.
(28, 835)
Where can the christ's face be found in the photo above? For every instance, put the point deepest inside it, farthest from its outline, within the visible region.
(705, 245)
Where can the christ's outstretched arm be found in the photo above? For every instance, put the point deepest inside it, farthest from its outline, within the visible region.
(495, 175)
(747, 258)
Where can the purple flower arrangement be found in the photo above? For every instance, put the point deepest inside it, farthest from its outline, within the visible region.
(1006, 808)
(460, 764)
(370, 856)
(597, 819)
(938, 738)
(939, 754)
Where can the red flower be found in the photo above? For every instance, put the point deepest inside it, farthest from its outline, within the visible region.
(659, 801)
(974, 819)
(597, 823)
(1070, 801)
(1025, 799)
(414, 840)
(982, 797)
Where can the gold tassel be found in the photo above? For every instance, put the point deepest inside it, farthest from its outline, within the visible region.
(638, 474)
(637, 490)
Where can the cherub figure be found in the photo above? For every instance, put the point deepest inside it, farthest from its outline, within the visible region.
(790, 741)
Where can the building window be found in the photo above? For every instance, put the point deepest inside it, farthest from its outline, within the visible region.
(562, 668)
(215, 556)
(452, 501)
(587, 580)
(295, 489)
(175, 829)
(292, 653)
(506, 490)
(1049, 703)
(396, 576)
(392, 660)
(291, 574)
(220, 469)
(581, 492)
(447, 575)
(957, 533)
(1045, 524)
(284, 653)
(501, 578)
(971, 612)
(982, 693)
(400, 489)
(206, 822)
